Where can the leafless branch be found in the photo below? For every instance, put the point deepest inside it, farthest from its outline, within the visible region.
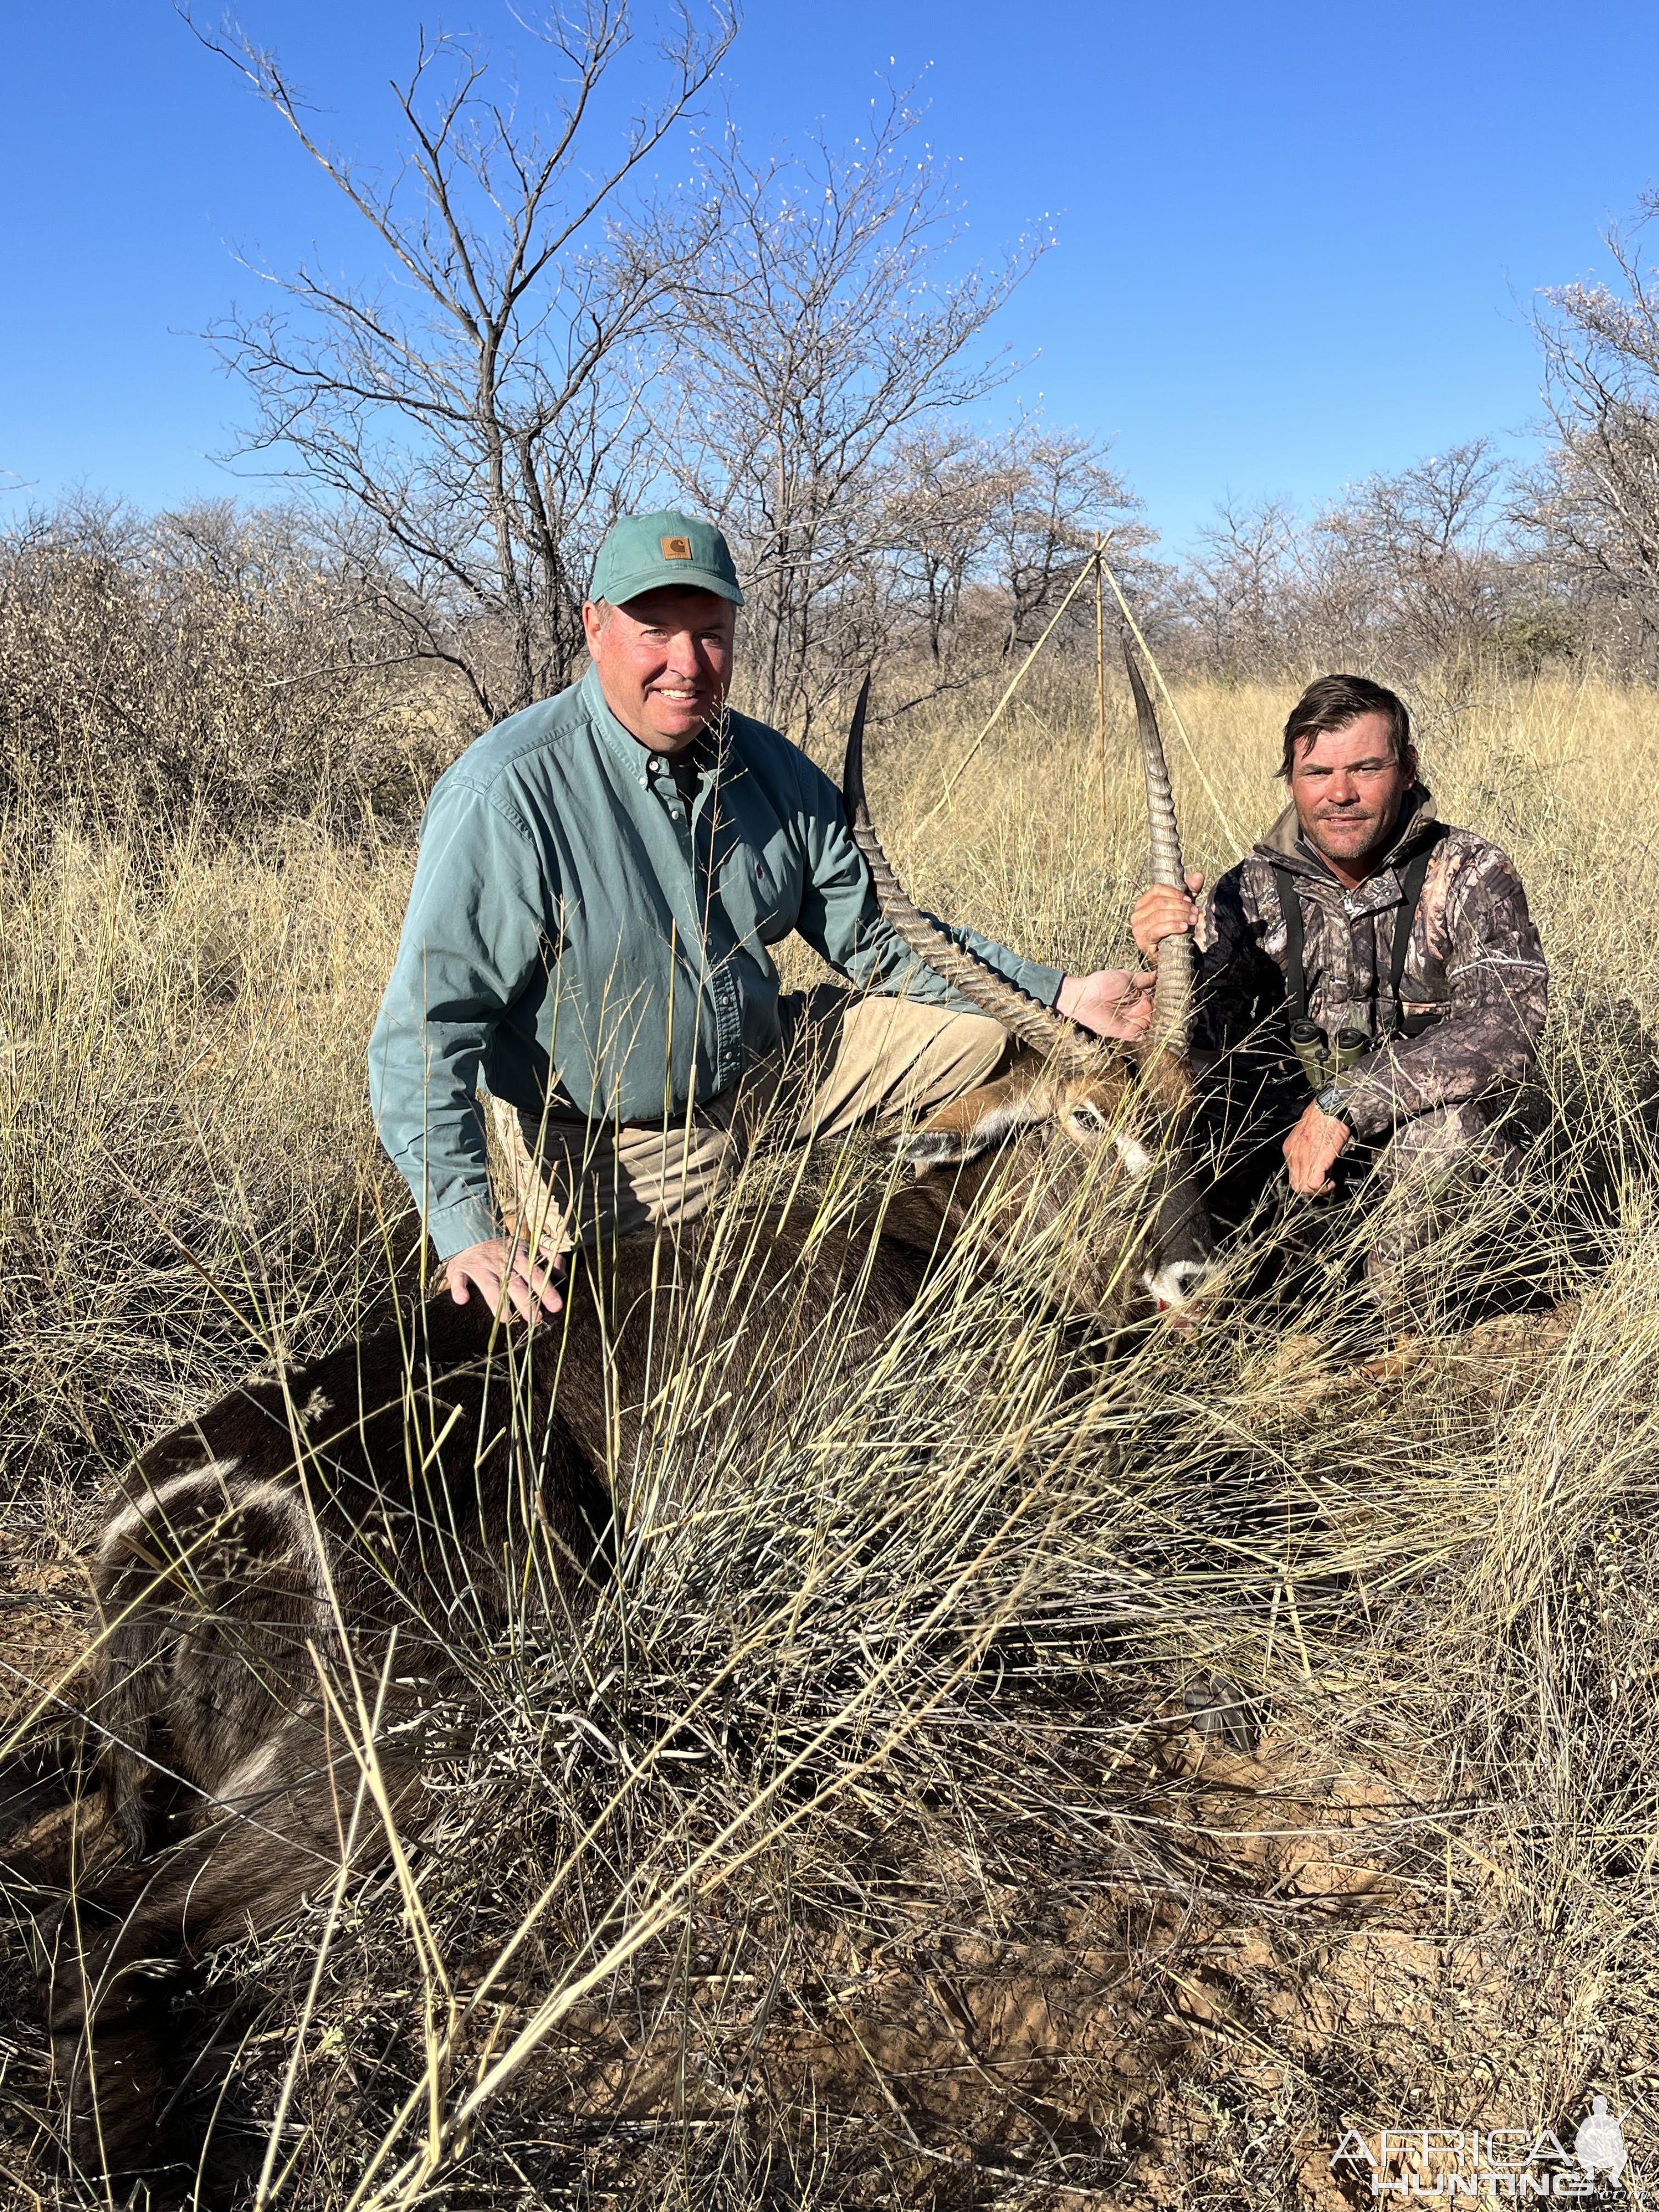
(479, 432)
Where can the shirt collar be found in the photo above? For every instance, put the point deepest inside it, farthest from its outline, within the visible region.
(621, 745)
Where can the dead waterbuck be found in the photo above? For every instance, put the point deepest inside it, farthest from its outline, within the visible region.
(291, 1583)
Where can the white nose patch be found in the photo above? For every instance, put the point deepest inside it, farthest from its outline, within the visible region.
(1173, 1285)
(1132, 1153)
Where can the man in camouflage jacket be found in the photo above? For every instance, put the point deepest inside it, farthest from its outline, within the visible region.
(1423, 1068)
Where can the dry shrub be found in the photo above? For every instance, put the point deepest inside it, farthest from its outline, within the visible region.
(204, 664)
(1031, 1777)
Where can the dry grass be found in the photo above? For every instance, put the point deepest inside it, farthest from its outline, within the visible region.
(866, 1851)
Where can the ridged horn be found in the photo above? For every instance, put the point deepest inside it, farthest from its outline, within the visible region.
(1029, 1019)
(1172, 995)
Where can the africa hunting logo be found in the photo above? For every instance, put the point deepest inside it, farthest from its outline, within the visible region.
(1489, 2164)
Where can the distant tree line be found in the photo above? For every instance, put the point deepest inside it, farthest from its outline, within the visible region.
(785, 342)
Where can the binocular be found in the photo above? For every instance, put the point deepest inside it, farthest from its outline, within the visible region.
(1322, 1058)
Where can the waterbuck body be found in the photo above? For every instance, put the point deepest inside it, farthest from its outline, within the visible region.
(308, 1567)
(296, 1577)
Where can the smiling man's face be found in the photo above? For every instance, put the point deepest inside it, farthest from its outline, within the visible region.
(1348, 789)
(664, 662)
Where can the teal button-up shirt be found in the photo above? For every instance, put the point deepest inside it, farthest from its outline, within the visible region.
(578, 932)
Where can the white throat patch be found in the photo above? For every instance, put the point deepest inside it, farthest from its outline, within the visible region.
(1132, 1153)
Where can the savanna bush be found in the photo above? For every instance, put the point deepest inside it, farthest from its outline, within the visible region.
(210, 664)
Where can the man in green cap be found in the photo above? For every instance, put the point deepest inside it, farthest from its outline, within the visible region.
(601, 879)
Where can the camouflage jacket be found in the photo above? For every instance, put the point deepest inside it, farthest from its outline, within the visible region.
(1474, 966)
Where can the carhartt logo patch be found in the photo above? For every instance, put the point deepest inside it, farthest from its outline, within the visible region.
(675, 548)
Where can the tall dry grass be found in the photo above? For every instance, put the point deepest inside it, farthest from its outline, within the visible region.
(1025, 1778)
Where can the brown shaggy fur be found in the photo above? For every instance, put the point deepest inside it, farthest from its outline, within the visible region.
(319, 1547)
(315, 1549)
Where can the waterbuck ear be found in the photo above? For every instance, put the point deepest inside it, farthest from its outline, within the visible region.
(970, 1125)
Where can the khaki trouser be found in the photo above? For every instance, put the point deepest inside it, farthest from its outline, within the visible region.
(846, 1059)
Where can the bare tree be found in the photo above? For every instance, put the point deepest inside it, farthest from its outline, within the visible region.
(1240, 588)
(1415, 556)
(1407, 568)
(474, 418)
(1594, 506)
(815, 332)
(936, 524)
(1050, 492)
(206, 664)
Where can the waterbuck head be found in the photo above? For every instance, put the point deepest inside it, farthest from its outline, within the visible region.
(1089, 1114)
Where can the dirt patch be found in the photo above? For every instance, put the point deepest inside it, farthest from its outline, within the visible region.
(1150, 2048)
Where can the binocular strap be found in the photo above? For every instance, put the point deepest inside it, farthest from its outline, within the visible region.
(1412, 877)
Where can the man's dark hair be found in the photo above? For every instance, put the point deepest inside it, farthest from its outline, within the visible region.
(1331, 703)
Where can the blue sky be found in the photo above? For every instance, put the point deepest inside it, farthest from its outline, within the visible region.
(1297, 243)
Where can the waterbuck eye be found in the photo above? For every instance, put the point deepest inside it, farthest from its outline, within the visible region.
(1086, 1120)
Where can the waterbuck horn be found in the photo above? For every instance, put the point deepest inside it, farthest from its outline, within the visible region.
(1029, 1019)
(1172, 996)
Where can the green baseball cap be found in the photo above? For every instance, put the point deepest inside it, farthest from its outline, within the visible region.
(644, 552)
